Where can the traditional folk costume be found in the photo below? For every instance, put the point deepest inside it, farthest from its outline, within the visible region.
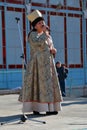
(41, 91)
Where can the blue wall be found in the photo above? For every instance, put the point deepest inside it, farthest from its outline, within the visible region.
(10, 79)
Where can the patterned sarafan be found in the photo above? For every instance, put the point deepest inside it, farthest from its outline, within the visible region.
(40, 82)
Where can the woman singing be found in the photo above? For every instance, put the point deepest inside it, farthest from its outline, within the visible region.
(41, 91)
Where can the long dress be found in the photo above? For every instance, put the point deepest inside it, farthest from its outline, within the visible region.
(41, 91)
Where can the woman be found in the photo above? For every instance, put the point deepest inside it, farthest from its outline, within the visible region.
(41, 90)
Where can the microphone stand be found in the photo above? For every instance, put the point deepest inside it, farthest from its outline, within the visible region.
(24, 117)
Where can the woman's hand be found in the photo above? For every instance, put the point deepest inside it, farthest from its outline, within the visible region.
(53, 51)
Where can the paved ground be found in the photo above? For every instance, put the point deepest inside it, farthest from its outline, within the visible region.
(72, 117)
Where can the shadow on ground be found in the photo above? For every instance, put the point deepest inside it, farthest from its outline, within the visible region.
(79, 102)
(17, 118)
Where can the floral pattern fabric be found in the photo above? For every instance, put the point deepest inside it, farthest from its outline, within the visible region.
(41, 83)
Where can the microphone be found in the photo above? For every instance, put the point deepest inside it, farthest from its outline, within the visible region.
(46, 26)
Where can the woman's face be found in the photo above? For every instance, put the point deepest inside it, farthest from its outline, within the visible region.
(39, 26)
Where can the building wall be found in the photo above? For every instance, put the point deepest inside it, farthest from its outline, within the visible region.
(68, 32)
(11, 50)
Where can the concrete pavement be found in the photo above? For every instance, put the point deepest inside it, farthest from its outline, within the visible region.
(72, 117)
